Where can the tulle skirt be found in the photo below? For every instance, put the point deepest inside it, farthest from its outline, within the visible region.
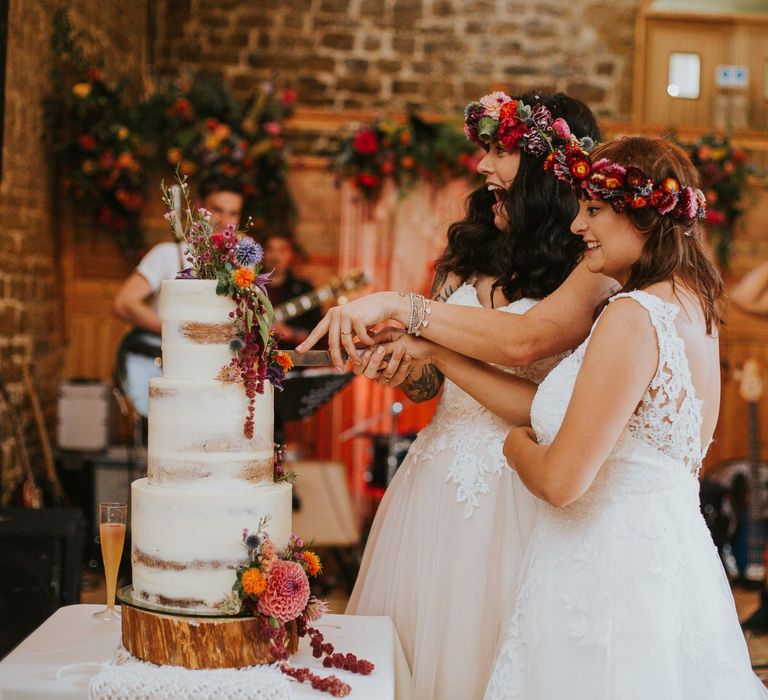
(446, 580)
(624, 598)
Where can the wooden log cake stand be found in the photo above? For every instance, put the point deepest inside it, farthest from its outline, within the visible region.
(198, 642)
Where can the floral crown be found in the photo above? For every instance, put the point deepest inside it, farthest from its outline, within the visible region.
(515, 124)
(625, 186)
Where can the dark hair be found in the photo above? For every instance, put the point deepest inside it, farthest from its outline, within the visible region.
(672, 251)
(219, 183)
(537, 251)
(297, 249)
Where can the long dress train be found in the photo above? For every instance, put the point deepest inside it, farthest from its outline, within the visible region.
(622, 595)
(447, 542)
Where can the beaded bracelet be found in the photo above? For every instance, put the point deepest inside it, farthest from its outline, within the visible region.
(420, 310)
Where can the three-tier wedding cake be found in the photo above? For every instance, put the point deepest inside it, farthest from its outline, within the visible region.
(206, 479)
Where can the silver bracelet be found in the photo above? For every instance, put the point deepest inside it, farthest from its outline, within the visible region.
(426, 312)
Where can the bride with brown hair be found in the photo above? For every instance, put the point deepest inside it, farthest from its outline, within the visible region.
(622, 594)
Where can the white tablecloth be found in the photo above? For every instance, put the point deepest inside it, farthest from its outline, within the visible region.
(71, 637)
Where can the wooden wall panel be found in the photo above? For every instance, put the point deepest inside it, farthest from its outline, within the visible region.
(663, 39)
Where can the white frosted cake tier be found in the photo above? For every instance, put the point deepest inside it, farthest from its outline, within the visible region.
(197, 329)
(196, 437)
(187, 544)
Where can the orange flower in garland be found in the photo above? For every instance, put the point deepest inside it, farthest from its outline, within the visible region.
(254, 582)
(311, 563)
(243, 277)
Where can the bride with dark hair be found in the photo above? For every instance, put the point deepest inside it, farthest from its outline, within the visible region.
(448, 538)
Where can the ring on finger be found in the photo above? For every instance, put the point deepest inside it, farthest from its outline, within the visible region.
(386, 380)
(346, 332)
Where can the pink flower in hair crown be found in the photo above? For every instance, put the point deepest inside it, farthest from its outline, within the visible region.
(494, 102)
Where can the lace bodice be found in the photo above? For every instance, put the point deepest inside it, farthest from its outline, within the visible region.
(668, 418)
(466, 435)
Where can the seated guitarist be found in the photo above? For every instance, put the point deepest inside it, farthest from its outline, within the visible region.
(136, 301)
(279, 252)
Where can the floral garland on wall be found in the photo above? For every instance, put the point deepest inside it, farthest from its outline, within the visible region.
(403, 154)
(108, 139)
(725, 173)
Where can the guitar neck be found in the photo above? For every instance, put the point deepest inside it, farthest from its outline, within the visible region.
(754, 434)
(306, 302)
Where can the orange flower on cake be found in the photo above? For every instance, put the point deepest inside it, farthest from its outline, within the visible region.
(243, 277)
(311, 562)
(284, 360)
(254, 582)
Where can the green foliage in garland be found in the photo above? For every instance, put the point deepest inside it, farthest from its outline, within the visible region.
(107, 138)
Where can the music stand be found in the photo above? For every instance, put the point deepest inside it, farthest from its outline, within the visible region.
(305, 391)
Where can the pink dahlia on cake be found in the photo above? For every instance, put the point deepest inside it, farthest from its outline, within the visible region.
(287, 591)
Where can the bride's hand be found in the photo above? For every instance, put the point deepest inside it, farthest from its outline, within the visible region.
(516, 438)
(388, 369)
(420, 350)
(343, 323)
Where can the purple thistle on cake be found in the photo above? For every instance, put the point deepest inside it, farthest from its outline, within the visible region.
(248, 252)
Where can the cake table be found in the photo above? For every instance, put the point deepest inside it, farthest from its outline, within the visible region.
(58, 659)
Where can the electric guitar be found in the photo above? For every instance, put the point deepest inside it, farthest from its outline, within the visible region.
(751, 390)
(745, 483)
(139, 355)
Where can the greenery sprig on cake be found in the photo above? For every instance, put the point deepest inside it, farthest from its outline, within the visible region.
(233, 259)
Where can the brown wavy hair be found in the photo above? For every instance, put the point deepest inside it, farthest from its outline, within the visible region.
(673, 251)
(537, 251)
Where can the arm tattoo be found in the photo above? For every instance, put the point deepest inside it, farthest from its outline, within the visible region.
(439, 281)
(424, 386)
(438, 291)
(447, 291)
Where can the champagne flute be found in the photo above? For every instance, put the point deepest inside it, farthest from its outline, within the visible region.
(112, 518)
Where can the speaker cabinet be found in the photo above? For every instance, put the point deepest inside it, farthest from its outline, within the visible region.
(40, 568)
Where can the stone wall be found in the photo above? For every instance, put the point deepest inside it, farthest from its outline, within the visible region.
(432, 55)
(31, 328)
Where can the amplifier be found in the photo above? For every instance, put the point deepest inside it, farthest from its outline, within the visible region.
(40, 568)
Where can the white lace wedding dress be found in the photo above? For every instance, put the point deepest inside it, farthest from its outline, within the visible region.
(622, 595)
(447, 542)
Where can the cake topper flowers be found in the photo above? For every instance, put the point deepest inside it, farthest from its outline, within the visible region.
(625, 186)
(515, 124)
(274, 586)
(233, 259)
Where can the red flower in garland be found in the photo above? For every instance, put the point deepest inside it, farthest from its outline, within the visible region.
(368, 180)
(365, 142)
(87, 142)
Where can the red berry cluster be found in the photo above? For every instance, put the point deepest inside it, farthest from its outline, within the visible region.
(252, 358)
(346, 662)
(333, 685)
(277, 635)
